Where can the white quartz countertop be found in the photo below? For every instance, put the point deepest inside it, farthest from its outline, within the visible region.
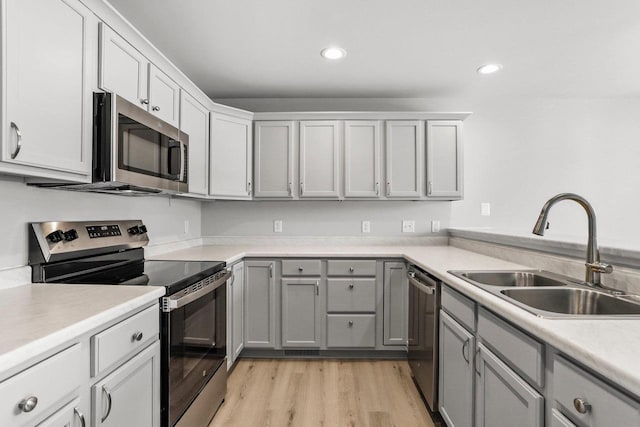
(609, 347)
(36, 318)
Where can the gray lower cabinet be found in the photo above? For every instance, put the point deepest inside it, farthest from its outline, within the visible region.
(396, 296)
(559, 420)
(301, 313)
(502, 397)
(351, 330)
(235, 314)
(456, 373)
(68, 416)
(130, 396)
(259, 304)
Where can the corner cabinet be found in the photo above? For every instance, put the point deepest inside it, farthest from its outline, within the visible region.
(48, 64)
(230, 157)
(194, 121)
(444, 159)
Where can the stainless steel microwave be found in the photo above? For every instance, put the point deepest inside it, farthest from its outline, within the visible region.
(134, 152)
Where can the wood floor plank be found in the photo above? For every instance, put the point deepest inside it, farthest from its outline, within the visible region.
(321, 393)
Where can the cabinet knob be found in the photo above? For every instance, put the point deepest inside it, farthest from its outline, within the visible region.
(581, 405)
(137, 336)
(155, 108)
(144, 101)
(351, 269)
(28, 404)
(300, 269)
(350, 285)
(350, 323)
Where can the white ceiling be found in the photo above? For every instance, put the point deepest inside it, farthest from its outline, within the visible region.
(400, 48)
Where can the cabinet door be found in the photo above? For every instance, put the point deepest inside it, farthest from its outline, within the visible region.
(48, 63)
(237, 292)
(123, 70)
(455, 376)
(502, 397)
(361, 159)
(194, 121)
(396, 294)
(71, 415)
(319, 157)
(164, 96)
(301, 314)
(130, 396)
(259, 297)
(230, 157)
(405, 148)
(444, 159)
(274, 159)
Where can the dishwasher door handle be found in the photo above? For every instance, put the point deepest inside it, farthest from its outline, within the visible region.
(427, 289)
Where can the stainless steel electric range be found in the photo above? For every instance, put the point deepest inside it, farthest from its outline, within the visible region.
(193, 311)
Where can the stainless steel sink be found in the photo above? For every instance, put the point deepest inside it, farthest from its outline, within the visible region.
(512, 278)
(573, 301)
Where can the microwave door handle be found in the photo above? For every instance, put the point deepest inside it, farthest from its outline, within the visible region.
(183, 161)
(170, 160)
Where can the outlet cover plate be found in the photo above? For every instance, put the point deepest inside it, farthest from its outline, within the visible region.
(366, 226)
(408, 226)
(277, 226)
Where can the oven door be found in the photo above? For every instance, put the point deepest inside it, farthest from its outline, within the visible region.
(193, 345)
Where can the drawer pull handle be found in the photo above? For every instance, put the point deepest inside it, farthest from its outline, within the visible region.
(350, 323)
(28, 404)
(464, 350)
(80, 416)
(137, 336)
(351, 269)
(106, 391)
(351, 286)
(581, 405)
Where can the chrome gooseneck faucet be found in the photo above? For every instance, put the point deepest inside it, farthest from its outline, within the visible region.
(593, 265)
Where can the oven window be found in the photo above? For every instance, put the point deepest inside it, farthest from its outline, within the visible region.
(146, 151)
(197, 348)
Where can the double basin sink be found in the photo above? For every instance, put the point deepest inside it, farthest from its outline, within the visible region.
(551, 295)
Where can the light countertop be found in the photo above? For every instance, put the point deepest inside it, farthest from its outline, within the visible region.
(610, 347)
(37, 318)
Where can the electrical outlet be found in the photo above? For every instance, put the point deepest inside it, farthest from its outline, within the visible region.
(485, 209)
(366, 226)
(277, 226)
(186, 226)
(408, 226)
(435, 226)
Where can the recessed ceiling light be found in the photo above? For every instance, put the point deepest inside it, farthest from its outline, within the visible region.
(489, 68)
(333, 53)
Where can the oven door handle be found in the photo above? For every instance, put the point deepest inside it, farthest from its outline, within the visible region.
(423, 287)
(170, 303)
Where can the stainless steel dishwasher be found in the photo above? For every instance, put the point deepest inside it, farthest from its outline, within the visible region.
(424, 308)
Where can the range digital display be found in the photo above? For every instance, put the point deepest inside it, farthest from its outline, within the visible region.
(96, 231)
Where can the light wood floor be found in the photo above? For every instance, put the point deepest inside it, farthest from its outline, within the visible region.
(321, 393)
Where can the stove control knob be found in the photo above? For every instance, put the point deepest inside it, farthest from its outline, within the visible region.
(70, 235)
(55, 236)
(143, 229)
(134, 230)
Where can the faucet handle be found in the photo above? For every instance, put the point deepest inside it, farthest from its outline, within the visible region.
(600, 267)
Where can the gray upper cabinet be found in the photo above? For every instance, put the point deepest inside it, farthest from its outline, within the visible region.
(405, 148)
(230, 157)
(273, 162)
(444, 159)
(164, 96)
(396, 294)
(48, 65)
(502, 397)
(319, 159)
(259, 304)
(301, 313)
(456, 373)
(194, 121)
(361, 158)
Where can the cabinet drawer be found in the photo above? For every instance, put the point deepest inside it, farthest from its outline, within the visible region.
(351, 295)
(609, 407)
(301, 267)
(521, 352)
(53, 382)
(124, 339)
(459, 306)
(351, 268)
(351, 330)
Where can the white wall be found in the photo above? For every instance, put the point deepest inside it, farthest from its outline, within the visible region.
(21, 204)
(518, 153)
